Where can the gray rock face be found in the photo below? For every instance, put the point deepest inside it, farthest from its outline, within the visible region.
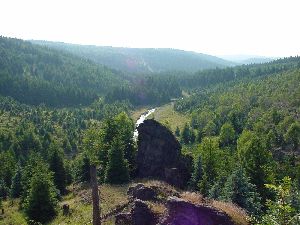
(123, 219)
(159, 155)
(140, 191)
(181, 212)
(142, 215)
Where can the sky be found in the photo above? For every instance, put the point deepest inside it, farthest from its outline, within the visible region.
(216, 27)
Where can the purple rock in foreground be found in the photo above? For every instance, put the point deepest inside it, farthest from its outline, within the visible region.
(181, 212)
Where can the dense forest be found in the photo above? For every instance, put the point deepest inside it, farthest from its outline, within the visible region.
(61, 114)
(35, 75)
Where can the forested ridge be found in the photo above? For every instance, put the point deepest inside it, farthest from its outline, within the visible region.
(60, 115)
(35, 75)
(142, 60)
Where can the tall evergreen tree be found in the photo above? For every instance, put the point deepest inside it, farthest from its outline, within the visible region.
(240, 191)
(16, 187)
(256, 161)
(197, 173)
(39, 195)
(56, 163)
(41, 200)
(292, 135)
(185, 134)
(117, 168)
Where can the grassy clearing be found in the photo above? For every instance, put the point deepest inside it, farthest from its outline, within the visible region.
(167, 115)
(12, 215)
(80, 204)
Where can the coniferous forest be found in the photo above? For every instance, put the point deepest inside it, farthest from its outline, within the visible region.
(62, 113)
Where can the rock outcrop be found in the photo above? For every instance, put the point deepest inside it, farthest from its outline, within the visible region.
(172, 207)
(142, 192)
(182, 212)
(159, 155)
(140, 214)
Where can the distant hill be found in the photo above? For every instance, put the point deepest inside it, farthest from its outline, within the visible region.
(142, 60)
(248, 59)
(35, 74)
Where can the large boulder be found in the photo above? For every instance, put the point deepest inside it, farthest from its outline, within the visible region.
(142, 192)
(159, 155)
(182, 212)
(142, 215)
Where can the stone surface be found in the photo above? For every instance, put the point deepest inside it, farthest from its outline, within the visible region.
(142, 215)
(181, 212)
(140, 191)
(123, 219)
(159, 155)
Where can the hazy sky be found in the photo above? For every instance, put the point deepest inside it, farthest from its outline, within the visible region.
(218, 27)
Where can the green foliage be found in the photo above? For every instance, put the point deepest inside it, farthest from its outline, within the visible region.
(33, 75)
(197, 173)
(210, 129)
(240, 191)
(4, 191)
(81, 168)
(210, 155)
(92, 144)
(16, 187)
(188, 135)
(281, 211)
(227, 134)
(256, 161)
(39, 197)
(56, 163)
(121, 127)
(151, 90)
(41, 200)
(292, 135)
(117, 168)
(7, 169)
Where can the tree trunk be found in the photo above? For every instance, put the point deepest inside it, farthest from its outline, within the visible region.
(95, 196)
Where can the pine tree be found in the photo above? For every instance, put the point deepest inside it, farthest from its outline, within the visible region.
(41, 201)
(4, 191)
(292, 135)
(240, 191)
(85, 169)
(39, 195)
(192, 136)
(197, 173)
(185, 134)
(281, 211)
(204, 185)
(117, 168)
(227, 134)
(56, 163)
(16, 187)
(256, 161)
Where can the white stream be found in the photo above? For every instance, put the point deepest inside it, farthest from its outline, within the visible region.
(141, 120)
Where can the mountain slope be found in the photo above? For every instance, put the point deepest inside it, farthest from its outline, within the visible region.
(34, 74)
(142, 60)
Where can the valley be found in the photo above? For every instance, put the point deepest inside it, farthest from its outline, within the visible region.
(217, 137)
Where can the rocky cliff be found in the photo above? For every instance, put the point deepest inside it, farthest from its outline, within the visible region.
(159, 155)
